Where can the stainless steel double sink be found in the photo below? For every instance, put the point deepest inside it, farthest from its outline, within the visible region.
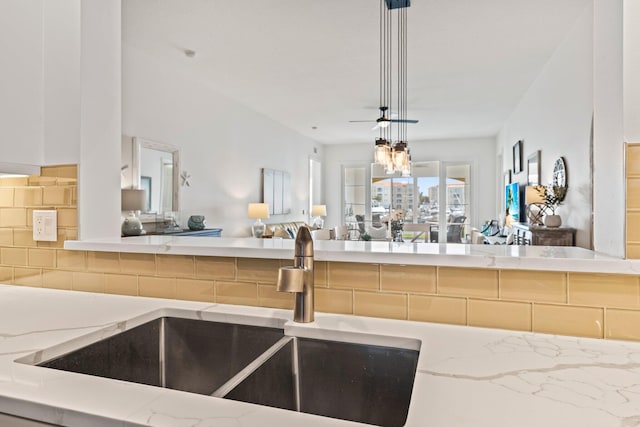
(366, 383)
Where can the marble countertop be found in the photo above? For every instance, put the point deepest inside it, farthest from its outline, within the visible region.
(558, 258)
(466, 376)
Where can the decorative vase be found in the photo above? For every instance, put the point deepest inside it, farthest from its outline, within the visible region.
(552, 220)
(196, 222)
(131, 226)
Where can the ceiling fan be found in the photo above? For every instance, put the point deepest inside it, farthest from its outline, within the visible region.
(383, 121)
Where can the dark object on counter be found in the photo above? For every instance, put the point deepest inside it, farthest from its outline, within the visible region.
(196, 222)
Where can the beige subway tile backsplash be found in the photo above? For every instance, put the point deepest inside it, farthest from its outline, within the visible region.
(56, 196)
(42, 257)
(633, 226)
(23, 237)
(13, 217)
(633, 193)
(258, 270)
(500, 314)
(622, 324)
(14, 256)
(195, 290)
(475, 282)
(134, 263)
(633, 160)
(88, 282)
(6, 197)
(27, 276)
(526, 285)
(157, 287)
(320, 273)
(408, 278)
(6, 236)
(121, 284)
(334, 300)
(67, 217)
(71, 260)
(604, 290)
(568, 320)
(353, 275)
(27, 196)
(236, 293)
(106, 262)
(35, 180)
(6, 274)
(391, 306)
(175, 265)
(57, 279)
(215, 267)
(61, 171)
(14, 181)
(432, 308)
(268, 296)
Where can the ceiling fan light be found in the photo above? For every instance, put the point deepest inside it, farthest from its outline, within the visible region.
(383, 122)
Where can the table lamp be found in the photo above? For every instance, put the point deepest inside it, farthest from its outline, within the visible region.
(132, 200)
(258, 211)
(534, 202)
(318, 212)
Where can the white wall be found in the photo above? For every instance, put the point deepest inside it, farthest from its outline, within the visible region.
(631, 64)
(40, 84)
(223, 144)
(479, 152)
(21, 84)
(61, 74)
(554, 116)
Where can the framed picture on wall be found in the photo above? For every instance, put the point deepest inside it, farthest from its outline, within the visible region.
(533, 169)
(517, 157)
(506, 178)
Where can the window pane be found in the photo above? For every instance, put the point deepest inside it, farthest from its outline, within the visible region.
(458, 202)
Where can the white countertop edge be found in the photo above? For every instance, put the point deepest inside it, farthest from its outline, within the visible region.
(431, 254)
(489, 376)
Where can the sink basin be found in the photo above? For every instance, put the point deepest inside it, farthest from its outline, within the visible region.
(357, 382)
(182, 354)
(242, 361)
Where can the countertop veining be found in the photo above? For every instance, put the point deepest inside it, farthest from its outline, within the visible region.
(466, 376)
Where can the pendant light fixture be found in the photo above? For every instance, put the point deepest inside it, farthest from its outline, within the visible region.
(393, 155)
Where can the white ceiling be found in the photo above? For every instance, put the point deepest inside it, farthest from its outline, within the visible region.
(307, 63)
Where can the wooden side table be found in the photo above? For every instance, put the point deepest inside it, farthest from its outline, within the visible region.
(539, 235)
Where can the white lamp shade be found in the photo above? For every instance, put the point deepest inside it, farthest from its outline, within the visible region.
(258, 210)
(133, 199)
(532, 195)
(319, 210)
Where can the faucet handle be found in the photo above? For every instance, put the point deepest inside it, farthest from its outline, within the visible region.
(291, 279)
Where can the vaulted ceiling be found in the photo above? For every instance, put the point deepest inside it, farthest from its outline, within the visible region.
(314, 63)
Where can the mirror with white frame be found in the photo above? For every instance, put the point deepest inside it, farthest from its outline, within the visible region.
(155, 167)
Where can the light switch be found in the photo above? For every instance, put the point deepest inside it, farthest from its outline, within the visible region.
(45, 226)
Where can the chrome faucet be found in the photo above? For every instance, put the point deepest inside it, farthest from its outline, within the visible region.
(299, 278)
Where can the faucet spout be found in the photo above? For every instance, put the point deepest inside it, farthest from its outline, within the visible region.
(299, 278)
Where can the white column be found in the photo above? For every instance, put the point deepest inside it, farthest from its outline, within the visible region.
(100, 110)
(631, 64)
(608, 130)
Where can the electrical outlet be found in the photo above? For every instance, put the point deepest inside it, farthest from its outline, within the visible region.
(45, 226)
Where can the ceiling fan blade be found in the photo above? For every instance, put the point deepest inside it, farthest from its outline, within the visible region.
(403, 121)
(376, 126)
(362, 121)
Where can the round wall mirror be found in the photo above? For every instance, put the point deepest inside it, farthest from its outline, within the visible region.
(559, 173)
